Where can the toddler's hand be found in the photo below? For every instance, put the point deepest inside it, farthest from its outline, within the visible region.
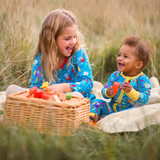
(110, 91)
(126, 86)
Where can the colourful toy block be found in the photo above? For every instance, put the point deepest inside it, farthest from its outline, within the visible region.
(38, 93)
(115, 87)
(44, 85)
(32, 90)
(55, 98)
(45, 96)
(64, 96)
(68, 95)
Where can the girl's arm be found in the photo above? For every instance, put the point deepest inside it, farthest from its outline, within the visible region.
(83, 80)
(37, 72)
(59, 88)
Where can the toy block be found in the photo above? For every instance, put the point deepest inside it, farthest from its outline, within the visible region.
(32, 90)
(26, 95)
(68, 95)
(45, 96)
(115, 87)
(38, 93)
(62, 96)
(44, 85)
(55, 98)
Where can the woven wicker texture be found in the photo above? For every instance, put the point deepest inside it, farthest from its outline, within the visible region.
(46, 116)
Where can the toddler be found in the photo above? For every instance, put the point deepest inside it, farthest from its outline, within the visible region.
(135, 86)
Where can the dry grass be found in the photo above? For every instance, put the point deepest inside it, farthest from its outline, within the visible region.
(104, 23)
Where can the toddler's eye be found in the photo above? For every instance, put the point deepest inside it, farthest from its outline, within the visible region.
(126, 56)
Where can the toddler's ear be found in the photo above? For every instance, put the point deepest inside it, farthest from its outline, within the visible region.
(139, 64)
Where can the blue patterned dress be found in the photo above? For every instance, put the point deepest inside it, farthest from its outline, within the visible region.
(78, 74)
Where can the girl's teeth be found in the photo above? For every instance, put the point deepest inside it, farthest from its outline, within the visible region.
(69, 49)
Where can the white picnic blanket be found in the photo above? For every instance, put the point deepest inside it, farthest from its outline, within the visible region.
(129, 120)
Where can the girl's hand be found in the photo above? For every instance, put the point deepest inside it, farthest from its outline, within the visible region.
(110, 91)
(126, 86)
(59, 88)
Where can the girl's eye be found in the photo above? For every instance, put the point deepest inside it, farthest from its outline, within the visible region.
(126, 56)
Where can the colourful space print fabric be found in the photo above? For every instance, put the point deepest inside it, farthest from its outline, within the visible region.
(122, 101)
(78, 74)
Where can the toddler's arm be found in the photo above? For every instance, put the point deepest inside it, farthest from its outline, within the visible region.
(141, 96)
(107, 91)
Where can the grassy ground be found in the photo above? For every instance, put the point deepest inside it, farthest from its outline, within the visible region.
(104, 23)
(86, 143)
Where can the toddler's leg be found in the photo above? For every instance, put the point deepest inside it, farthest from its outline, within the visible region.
(100, 109)
(14, 89)
(95, 110)
(106, 110)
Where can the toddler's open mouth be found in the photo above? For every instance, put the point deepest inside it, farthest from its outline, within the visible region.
(120, 64)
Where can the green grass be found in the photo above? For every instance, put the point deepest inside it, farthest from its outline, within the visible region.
(86, 143)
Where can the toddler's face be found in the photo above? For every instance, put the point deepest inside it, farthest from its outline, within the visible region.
(127, 61)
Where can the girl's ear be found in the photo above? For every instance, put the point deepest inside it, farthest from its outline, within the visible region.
(139, 64)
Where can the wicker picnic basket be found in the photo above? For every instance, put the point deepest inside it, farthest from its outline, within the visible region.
(46, 116)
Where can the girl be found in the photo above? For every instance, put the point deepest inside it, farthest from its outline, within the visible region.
(59, 57)
(135, 86)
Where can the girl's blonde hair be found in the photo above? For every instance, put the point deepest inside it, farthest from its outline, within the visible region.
(51, 28)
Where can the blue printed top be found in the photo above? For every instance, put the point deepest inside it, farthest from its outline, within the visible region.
(138, 96)
(78, 74)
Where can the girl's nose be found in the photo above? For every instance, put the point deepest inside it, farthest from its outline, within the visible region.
(73, 41)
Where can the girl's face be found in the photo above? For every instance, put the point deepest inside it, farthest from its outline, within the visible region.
(66, 41)
(127, 61)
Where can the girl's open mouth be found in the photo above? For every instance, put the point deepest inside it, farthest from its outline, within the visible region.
(69, 49)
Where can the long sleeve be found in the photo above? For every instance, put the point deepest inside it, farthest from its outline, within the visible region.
(138, 96)
(111, 80)
(37, 72)
(83, 78)
(76, 71)
(141, 96)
